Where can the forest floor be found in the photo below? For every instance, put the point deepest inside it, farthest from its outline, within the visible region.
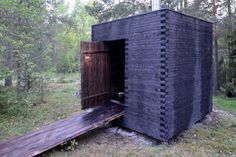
(215, 135)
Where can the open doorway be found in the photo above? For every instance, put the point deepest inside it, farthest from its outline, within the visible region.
(117, 69)
(102, 72)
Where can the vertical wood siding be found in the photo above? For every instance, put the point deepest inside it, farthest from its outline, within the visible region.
(95, 74)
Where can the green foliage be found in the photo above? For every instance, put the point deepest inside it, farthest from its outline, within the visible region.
(106, 10)
(4, 73)
(229, 89)
(12, 103)
(70, 145)
(68, 63)
(73, 145)
(39, 37)
(68, 39)
(20, 22)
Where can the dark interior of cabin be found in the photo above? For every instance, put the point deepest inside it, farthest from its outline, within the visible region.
(117, 69)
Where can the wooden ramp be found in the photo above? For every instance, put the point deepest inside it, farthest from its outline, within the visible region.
(41, 140)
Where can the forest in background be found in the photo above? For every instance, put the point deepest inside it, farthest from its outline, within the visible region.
(42, 37)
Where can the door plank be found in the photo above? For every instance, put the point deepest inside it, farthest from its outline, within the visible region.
(95, 74)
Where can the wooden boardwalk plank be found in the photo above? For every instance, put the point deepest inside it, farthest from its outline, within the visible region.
(38, 141)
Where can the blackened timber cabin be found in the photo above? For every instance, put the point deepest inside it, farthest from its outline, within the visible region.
(161, 61)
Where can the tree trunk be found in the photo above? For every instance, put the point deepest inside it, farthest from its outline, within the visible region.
(185, 3)
(26, 78)
(181, 4)
(18, 77)
(228, 77)
(9, 64)
(8, 81)
(216, 70)
(215, 48)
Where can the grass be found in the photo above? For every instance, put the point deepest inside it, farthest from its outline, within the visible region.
(228, 104)
(60, 102)
(213, 136)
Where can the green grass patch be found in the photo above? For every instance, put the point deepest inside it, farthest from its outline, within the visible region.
(228, 104)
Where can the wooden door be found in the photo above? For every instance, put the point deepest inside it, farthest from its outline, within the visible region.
(95, 75)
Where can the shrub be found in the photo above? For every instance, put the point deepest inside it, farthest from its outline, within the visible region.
(69, 146)
(229, 90)
(13, 103)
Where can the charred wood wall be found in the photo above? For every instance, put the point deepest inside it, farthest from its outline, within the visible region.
(168, 58)
(188, 77)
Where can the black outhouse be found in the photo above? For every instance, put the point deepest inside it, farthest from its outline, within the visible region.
(160, 61)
